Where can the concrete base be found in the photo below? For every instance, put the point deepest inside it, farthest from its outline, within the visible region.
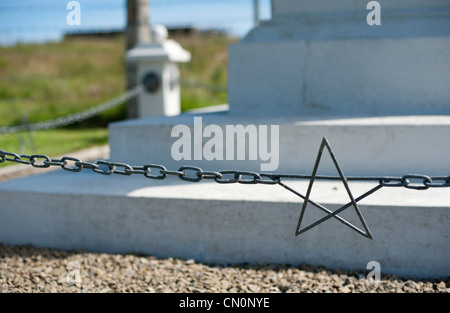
(387, 146)
(232, 223)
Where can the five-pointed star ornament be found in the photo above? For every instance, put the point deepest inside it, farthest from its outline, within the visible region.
(353, 201)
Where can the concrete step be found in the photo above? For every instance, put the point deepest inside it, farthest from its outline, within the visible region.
(228, 223)
(386, 146)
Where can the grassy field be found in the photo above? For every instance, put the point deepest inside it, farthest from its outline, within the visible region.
(45, 81)
(208, 66)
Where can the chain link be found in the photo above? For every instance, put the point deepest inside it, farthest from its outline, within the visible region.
(445, 182)
(148, 168)
(426, 182)
(196, 174)
(64, 160)
(75, 117)
(34, 158)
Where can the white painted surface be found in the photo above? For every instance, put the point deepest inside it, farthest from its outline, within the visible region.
(212, 222)
(363, 146)
(159, 57)
(322, 58)
(283, 8)
(354, 77)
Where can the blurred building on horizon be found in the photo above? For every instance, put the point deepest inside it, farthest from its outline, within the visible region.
(28, 21)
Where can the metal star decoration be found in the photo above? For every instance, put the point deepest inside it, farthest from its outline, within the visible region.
(366, 232)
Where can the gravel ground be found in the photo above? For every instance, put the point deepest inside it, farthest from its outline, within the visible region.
(26, 269)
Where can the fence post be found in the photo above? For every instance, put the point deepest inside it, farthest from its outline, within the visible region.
(157, 70)
(256, 12)
(137, 31)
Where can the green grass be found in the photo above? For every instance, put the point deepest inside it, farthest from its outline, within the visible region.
(40, 82)
(45, 81)
(208, 66)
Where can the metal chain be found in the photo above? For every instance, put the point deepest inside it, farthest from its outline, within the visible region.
(75, 117)
(196, 174)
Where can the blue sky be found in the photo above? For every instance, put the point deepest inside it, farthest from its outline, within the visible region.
(45, 20)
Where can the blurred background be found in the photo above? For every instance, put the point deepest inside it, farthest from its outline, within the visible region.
(50, 69)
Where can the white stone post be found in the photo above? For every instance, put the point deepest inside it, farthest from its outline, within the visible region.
(158, 71)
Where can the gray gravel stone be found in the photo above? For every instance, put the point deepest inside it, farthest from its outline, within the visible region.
(26, 269)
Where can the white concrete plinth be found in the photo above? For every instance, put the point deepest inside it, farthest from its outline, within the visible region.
(233, 223)
(376, 77)
(392, 146)
(322, 58)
